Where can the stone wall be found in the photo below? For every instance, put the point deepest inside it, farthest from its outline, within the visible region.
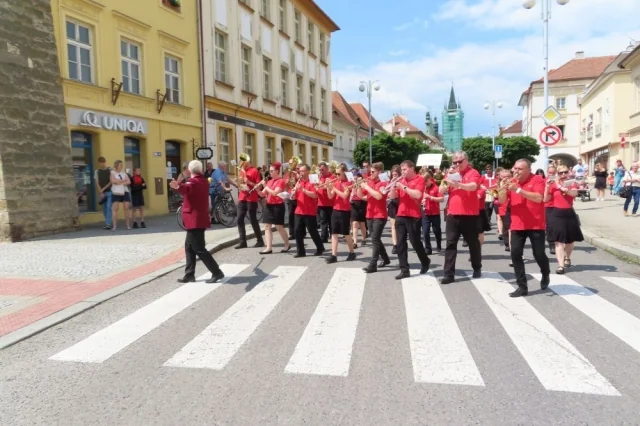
(37, 189)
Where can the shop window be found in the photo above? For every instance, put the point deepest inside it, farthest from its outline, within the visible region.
(82, 158)
(131, 155)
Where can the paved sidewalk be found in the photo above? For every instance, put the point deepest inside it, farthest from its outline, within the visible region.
(605, 226)
(41, 277)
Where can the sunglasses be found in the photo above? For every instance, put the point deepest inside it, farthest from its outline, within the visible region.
(563, 173)
(458, 162)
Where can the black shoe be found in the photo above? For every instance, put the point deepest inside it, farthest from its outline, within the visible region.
(425, 268)
(266, 252)
(297, 255)
(394, 250)
(507, 248)
(319, 252)
(291, 237)
(370, 269)
(187, 279)
(447, 280)
(552, 251)
(429, 252)
(519, 292)
(544, 282)
(384, 263)
(439, 248)
(402, 275)
(258, 244)
(241, 246)
(477, 273)
(135, 225)
(500, 237)
(142, 225)
(331, 259)
(215, 277)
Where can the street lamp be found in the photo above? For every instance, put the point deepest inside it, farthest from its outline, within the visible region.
(545, 15)
(369, 87)
(493, 105)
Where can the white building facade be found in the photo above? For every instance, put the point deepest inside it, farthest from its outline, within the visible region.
(345, 140)
(267, 80)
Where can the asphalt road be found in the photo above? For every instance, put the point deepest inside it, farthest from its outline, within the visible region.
(295, 341)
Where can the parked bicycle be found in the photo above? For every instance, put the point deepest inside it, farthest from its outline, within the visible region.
(224, 211)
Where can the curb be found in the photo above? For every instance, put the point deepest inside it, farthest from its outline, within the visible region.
(618, 250)
(95, 300)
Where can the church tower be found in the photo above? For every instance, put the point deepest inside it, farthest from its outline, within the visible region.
(452, 124)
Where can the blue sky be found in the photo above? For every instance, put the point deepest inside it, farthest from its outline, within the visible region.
(489, 49)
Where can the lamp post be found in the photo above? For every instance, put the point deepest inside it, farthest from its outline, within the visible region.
(369, 87)
(493, 105)
(545, 15)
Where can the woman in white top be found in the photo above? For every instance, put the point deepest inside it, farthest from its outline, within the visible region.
(120, 194)
(632, 178)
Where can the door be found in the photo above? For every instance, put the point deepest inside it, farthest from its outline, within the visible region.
(173, 169)
(82, 158)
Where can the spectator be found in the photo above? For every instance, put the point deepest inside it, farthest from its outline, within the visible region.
(138, 185)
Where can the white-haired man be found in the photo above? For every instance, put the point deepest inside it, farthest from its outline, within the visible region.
(195, 216)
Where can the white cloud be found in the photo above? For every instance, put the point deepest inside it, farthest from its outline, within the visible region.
(410, 24)
(398, 52)
(501, 69)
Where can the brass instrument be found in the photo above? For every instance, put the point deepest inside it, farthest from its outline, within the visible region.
(326, 183)
(293, 174)
(390, 185)
(333, 167)
(504, 184)
(241, 180)
(314, 169)
(295, 188)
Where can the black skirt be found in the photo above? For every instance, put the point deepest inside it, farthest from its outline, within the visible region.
(483, 222)
(392, 208)
(358, 211)
(340, 222)
(137, 199)
(564, 226)
(273, 214)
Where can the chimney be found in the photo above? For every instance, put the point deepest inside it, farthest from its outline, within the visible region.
(580, 54)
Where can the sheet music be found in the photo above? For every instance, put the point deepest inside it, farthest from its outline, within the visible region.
(384, 177)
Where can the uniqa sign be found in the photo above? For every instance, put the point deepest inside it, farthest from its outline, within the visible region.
(98, 120)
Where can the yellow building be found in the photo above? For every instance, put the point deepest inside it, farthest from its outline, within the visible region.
(267, 68)
(604, 114)
(131, 79)
(632, 146)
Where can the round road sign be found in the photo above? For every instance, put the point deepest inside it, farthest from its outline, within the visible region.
(550, 135)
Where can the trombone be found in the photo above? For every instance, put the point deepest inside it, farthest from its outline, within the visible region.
(241, 179)
(390, 185)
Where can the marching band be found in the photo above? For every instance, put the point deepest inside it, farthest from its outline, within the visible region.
(339, 203)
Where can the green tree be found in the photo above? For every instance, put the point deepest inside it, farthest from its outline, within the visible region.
(391, 150)
(479, 150)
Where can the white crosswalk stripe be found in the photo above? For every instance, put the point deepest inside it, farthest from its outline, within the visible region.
(632, 285)
(325, 347)
(107, 342)
(438, 350)
(218, 343)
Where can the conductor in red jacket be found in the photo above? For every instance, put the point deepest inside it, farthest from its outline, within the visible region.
(195, 216)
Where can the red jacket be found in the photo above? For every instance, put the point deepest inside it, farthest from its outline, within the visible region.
(195, 206)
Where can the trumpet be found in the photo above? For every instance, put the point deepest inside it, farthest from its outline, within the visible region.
(390, 185)
(326, 183)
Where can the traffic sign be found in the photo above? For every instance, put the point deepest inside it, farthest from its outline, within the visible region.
(498, 155)
(498, 148)
(550, 115)
(550, 135)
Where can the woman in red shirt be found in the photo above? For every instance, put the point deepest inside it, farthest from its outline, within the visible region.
(431, 200)
(564, 226)
(339, 192)
(275, 209)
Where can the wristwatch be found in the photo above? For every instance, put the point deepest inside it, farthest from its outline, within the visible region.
(404, 188)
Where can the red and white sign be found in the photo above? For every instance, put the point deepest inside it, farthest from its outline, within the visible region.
(550, 135)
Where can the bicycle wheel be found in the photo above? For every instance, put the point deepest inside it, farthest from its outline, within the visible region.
(260, 209)
(226, 213)
(179, 218)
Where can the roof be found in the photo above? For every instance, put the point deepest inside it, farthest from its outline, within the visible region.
(580, 69)
(401, 123)
(332, 26)
(343, 110)
(634, 53)
(515, 127)
(363, 115)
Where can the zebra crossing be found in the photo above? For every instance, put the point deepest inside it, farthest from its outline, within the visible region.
(438, 349)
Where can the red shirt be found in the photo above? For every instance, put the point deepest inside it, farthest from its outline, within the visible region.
(276, 185)
(306, 206)
(407, 205)
(376, 209)
(461, 202)
(502, 208)
(323, 197)
(432, 208)
(560, 200)
(488, 181)
(525, 214)
(339, 203)
(252, 175)
(481, 196)
(550, 202)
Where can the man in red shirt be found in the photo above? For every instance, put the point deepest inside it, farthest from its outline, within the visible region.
(409, 217)
(376, 216)
(248, 202)
(431, 218)
(527, 221)
(325, 203)
(306, 210)
(462, 217)
(195, 216)
(548, 210)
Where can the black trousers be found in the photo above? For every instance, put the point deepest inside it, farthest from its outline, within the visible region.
(292, 217)
(252, 208)
(488, 207)
(432, 221)
(506, 225)
(376, 226)
(548, 211)
(537, 239)
(311, 225)
(467, 226)
(325, 222)
(410, 226)
(194, 245)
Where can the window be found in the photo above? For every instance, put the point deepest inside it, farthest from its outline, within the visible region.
(302, 152)
(312, 99)
(130, 67)
(221, 63)
(312, 40)
(599, 121)
(297, 18)
(84, 175)
(246, 69)
(350, 144)
(172, 79)
(269, 150)
(266, 71)
(284, 85)
(314, 155)
(299, 92)
(80, 52)
(323, 108)
(224, 143)
(340, 144)
(323, 54)
(561, 127)
(561, 103)
(131, 154)
(264, 8)
(282, 24)
(249, 144)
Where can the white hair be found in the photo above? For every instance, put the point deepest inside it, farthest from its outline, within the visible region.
(195, 167)
(462, 154)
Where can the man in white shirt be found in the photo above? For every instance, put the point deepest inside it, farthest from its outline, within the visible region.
(579, 170)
